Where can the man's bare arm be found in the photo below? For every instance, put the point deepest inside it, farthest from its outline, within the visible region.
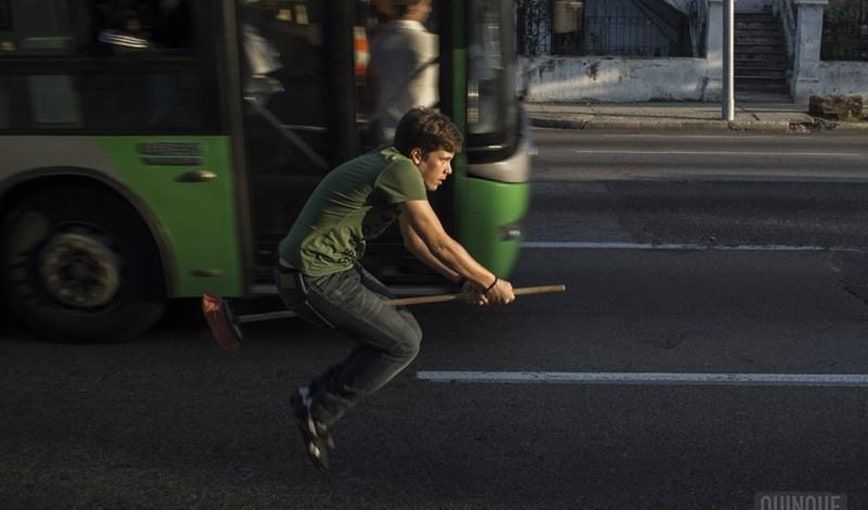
(422, 219)
(414, 244)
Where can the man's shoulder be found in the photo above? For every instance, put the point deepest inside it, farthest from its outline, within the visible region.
(392, 156)
(398, 170)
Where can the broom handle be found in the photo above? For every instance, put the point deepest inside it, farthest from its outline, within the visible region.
(416, 300)
(440, 298)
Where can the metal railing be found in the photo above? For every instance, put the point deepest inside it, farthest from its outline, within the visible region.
(785, 11)
(630, 36)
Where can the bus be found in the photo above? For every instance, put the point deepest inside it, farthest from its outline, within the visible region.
(159, 149)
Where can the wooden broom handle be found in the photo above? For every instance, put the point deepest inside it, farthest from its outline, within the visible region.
(440, 298)
(416, 300)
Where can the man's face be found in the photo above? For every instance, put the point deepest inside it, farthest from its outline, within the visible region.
(435, 166)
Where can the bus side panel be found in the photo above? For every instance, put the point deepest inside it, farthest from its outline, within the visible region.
(484, 210)
(196, 212)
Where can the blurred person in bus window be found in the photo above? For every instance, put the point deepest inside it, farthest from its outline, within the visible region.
(320, 277)
(261, 56)
(403, 65)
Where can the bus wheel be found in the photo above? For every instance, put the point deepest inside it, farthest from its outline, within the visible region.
(80, 265)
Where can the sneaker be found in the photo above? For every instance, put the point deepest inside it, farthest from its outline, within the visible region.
(322, 430)
(316, 436)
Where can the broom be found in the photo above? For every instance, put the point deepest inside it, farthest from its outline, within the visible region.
(225, 326)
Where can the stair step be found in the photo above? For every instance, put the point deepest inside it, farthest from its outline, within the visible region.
(755, 16)
(743, 84)
(764, 87)
(761, 71)
(771, 75)
(772, 90)
(748, 32)
(761, 76)
(757, 49)
(756, 19)
(778, 63)
(759, 41)
(755, 25)
(762, 56)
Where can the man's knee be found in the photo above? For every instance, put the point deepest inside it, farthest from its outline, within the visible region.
(410, 344)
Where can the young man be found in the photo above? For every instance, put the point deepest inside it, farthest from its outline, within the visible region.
(320, 278)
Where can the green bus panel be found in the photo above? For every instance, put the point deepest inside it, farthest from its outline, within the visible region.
(198, 220)
(483, 209)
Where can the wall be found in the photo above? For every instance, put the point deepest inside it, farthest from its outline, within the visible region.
(615, 79)
(847, 78)
(578, 79)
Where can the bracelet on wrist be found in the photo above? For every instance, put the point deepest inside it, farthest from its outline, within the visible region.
(496, 279)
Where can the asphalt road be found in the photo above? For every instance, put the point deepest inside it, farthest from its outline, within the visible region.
(664, 276)
(570, 155)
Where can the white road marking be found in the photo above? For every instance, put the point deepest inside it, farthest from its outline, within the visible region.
(590, 245)
(648, 378)
(736, 135)
(722, 153)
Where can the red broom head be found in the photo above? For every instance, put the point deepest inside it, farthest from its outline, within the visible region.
(221, 322)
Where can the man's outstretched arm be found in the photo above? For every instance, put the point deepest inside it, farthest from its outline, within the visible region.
(418, 220)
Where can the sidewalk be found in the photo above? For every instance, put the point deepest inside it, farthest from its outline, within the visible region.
(778, 117)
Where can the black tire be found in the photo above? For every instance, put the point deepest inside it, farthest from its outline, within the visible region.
(79, 265)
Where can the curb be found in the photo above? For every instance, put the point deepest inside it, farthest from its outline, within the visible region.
(783, 126)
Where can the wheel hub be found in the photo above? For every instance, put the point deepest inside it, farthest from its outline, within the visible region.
(80, 270)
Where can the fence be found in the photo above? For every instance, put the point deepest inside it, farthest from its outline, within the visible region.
(631, 37)
(845, 31)
(539, 33)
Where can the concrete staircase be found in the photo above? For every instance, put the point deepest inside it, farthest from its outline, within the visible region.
(761, 61)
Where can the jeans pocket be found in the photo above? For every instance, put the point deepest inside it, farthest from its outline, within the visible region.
(337, 286)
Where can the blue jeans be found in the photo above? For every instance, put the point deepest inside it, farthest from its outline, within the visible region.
(352, 302)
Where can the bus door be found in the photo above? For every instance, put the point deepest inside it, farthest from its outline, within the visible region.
(299, 116)
(308, 104)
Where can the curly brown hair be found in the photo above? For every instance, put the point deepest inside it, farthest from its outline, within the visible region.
(427, 129)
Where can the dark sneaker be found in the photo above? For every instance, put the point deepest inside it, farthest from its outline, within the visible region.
(321, 429)
(317, 438)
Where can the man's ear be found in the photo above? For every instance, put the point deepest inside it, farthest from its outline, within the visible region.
(416, 155)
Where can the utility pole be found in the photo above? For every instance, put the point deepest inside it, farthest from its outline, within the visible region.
(728, 110)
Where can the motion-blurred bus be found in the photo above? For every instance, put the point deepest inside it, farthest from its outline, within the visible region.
(158, 149)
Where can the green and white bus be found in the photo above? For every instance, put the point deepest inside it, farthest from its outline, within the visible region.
(159, 149)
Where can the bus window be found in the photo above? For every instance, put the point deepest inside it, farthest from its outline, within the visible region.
(5, 102)
(398, 70)
(93, 26)
(5, 18)
(284, 86)
(286, 98)
(119, 26)
(36, 27)
(491, 110)
(118, 66)
(53, 101)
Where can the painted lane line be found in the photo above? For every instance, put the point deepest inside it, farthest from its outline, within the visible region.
(590, 245)
(723, 153)
(734, 136)
(647, 378)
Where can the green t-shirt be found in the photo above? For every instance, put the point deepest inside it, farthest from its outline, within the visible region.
(355, 202)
